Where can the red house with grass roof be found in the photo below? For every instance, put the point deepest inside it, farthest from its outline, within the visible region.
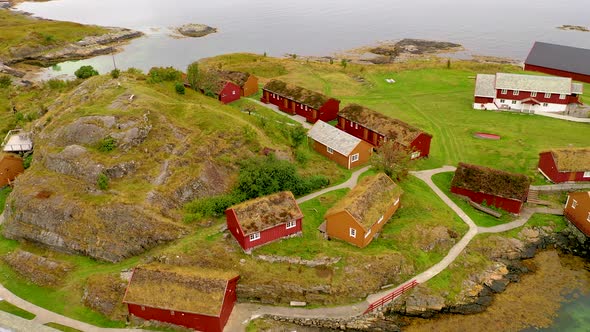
(577, 211)
(565, 165)
(292, 99)
(265, 219)
(192, 297)
(504, 190)
(247, 82)
(363, 212)
(376, 128)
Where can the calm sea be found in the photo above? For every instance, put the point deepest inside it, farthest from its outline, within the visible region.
(505, 28)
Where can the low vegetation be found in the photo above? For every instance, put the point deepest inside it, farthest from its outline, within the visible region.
(61, 327)
(85, 72)
(12, 309)
(4, 192)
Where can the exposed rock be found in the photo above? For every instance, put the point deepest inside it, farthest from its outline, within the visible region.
(325, 261)
(277, 292)
(88, 130)
(40, 270)
(374, 322)
(121, 170)
(574, 28)
(11, 71)
(423, 304)
(195, 30)
(435, 238)
(104, 293)
(74, 161)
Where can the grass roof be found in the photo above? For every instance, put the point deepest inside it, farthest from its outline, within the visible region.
(297, 93)
(491, 181)
(572, 159)
(265, 212)
(238, 77)
(369, 199)
(394, 129)
(178, 288)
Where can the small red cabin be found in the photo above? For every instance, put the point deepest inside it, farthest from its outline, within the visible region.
(247, 82)
(264, 219)
(504, 190)
(565, 165)
(376, 128)
(292, 99)
(187, 296)
(577, 211)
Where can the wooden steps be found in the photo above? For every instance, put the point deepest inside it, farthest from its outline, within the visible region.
(533, 198)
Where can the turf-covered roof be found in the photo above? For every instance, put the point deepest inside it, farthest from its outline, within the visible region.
(238, 77)
(491, 181)
(265, 212)
(301, 95)
(572, 159)
(394, 129)
(369, 200)
(185, 289)
(334, 138)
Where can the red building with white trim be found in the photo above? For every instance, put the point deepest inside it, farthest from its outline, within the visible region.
(504, 190)
(265, 219)
(559, 60)
(292, 99)
(526, 93)
(196, 298)
(577, 211)
(376, 128)
(565, 165)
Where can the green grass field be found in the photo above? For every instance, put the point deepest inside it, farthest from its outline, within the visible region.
(62, 327)
(12, 309)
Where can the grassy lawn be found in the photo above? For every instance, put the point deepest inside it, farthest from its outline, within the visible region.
(63, 328)
(443, 181)
(4, 192)
(12, 309)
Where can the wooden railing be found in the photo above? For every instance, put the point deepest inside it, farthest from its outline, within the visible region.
(391, 296)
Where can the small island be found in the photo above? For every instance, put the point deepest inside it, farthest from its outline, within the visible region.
(574, 28)
(195, 30)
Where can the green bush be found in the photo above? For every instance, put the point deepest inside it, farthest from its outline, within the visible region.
(5, 81)
(298, 135)
(56, 84)
(210, 206)
(134, 71)
(27, 161)
(107, 144)
(85, 72)
(179, 87)
(102, 181)
(160, 74)
(115, 73)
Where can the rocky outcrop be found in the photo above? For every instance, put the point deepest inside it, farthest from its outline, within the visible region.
(74, 160)
(104, 294)
(283, 292)
(324, 261)
(376, 322)
(11, 71)
(195, 30)
(40, 270)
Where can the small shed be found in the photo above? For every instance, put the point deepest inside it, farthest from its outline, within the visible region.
(293, 99)
(363, 212)
(265, 219)
(577, 211)
(565, 165)
(196, 298)
(504, 190)
(339, 146)
(559, 60)
(17, 141)
(11, 166)
(247, 82)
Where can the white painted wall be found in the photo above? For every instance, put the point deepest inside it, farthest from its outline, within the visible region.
(520, 106)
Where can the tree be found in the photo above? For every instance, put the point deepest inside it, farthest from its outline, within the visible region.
(208, 82)
(85, 72)
(392, 160)
(179, 88)
(192, 75)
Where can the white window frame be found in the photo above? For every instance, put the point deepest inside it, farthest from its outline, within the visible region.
(254, 236)
(415, 154)
(330, 150)
(514, 102)
(291, 224)
(515, 92)
(545, 105)
(356, 126)
(380, 220)
(586, 174)
(504, 91)
(547, 95)
(306, 107)
(352, 232)
(574, 204)
(562, 96)
(368, 233)
(354, 157)
(171, 312)
(502, 101)
(533, 94)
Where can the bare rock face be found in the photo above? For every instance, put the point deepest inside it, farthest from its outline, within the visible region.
(87, 130)
(422, 304)
(195, 30)
(104, 293)
(74, 161)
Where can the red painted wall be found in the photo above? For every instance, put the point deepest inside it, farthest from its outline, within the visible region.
(228, 301)
(422, 144)
(328, 111)
(483, 100)
(234, 227)
(190, 320)
(231, 92)
(510, 205)
(540, 97)
(549, 168)
(557, 72)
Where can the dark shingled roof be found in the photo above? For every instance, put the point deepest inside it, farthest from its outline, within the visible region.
(265, 212)
(393, 129)
(238, 77)
(566, 58)
(491, 181)
(297, 93)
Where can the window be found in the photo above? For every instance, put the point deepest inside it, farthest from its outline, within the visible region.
(254, 237)
(515, 92)
(533, 94)
(504, 91)
(356, 126)
(380, 220)
(354, 157)
(171, 312)
(330, 150)
(547, 95)
(502, 100)
(306, 108)
(513, 102)
(291, 224)
(143, 308)
(233, 92)
(587, 174)
(562, 96)
(368, 233)
(415, 154)
(574, 203)
(545, 104)
(352, 232)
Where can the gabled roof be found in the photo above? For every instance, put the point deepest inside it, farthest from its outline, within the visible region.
(369, 199)
(266, 212)
(297, 93)
(566, 58)
(238, 77)
(334, 138)
(491, 181)
(485, 85)
(393, 129)
(571, 159)
(183, 289)
(220, 85)
(534, 83)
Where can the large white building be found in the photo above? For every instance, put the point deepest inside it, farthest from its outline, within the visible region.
(526, 93)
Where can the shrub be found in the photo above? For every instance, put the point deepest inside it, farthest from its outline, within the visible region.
(115, 73)
(5, 81)
(102, 181)
(210, 206)
(160, 74)
(343, 63)
(85, 72)
(107, 144)
(56, 84)
(298, 135)
(302, 156)
(27, 161)
(134, 71)
(179, 87)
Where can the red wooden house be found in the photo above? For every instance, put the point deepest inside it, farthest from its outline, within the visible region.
(504, 190)
(577, 211)
(187, 296)
(292, 99)
(247, 82)
(376, 128)
(565, 165)
(559, 60)
(264, 219)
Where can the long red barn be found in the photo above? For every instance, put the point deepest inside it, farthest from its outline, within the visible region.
(376, 128)
(559, 60)
(565, 165)
(292, 99)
